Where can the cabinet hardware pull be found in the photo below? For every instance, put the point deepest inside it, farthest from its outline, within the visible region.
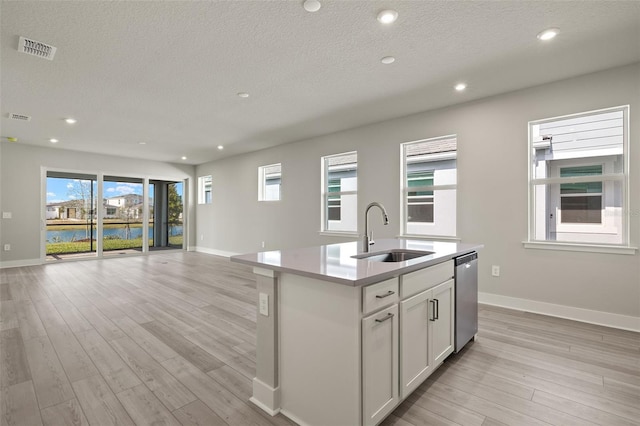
(389, 315)
(437, 308)
(382, 296)
(433, 310)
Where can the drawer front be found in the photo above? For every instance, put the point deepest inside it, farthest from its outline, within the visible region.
(415, 282)
(379, 295)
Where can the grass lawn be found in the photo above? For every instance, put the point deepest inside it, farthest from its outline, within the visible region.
(83, 226)
(108, 244)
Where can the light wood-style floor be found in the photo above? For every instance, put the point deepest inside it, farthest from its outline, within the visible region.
(170, 339)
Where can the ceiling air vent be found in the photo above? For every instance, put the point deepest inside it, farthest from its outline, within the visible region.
(36, 48)
(22, 117)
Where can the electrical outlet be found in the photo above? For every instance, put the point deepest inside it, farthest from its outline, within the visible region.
(7, 247)
(264, 304)
(201, 237)
(263, 244)
(495, 270)
(6, 215)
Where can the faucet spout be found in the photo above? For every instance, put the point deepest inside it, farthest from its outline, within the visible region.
(368, 239)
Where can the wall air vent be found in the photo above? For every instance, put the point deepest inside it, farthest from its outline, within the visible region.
(21, 117)
(36, 48)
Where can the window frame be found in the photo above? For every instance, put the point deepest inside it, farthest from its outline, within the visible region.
(325, 194)
(405, 188)
(607, 178)
(262, 183)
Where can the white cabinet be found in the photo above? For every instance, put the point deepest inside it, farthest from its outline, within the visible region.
(379, 364)
(416, 363)
(426, 334)
(349, 355)
(443, 323)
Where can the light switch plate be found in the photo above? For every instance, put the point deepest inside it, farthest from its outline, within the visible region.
(6, 215)
(264, 304)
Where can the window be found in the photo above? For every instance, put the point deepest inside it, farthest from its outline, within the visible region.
(204, 189)
(339, 192)
(269, 182)
(429, 178)
(578, 176)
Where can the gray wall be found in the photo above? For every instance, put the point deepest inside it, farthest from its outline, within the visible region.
(492, 191)
(20, 184)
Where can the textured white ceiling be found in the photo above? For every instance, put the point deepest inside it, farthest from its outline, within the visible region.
(167, 72)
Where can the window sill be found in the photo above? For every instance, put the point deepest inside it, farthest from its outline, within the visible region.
(344, 234)
(429, 237)
(588, 248)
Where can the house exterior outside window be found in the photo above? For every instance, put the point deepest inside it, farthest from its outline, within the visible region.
(581, 202)
(269, 182)
(578, 178)
(429, 181)
(339, 192)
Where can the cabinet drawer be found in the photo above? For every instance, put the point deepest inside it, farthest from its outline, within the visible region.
(379, 295)
(415, 282)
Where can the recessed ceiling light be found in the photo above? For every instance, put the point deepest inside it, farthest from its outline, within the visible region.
(243, 95)
(387, 16)
(388, 60)
(70, 120)
(311, 5)
(52, 140)
(220, 147)
(548, 34)
(460, 87)
(142, 143)
(184, 158)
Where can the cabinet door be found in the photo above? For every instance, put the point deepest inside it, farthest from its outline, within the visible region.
(415, 363)
(442, 329)
(379, 365)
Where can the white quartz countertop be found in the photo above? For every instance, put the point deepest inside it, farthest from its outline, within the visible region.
(334, 262)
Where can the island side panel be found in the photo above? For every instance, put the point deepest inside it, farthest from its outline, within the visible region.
(320, 336)
(266, 390)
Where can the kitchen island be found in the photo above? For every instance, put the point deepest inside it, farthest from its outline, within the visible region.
(344, 336)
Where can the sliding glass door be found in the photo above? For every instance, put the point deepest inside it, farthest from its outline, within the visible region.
(126, 221)
(123, 223)
(70, 215)
(166, 214)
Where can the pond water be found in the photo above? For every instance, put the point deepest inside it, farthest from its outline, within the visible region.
(81, 234)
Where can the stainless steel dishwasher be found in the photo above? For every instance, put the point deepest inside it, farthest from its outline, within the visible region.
(466, 276)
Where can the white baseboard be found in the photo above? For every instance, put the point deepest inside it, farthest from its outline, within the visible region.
(624, 322)
(18, 263)
(264, 407)
(294, 418)
(266, 397)
(215, 252)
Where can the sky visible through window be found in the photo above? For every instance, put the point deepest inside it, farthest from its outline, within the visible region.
(60, 189)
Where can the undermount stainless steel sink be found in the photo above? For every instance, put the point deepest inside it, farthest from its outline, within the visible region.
(397, 255)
